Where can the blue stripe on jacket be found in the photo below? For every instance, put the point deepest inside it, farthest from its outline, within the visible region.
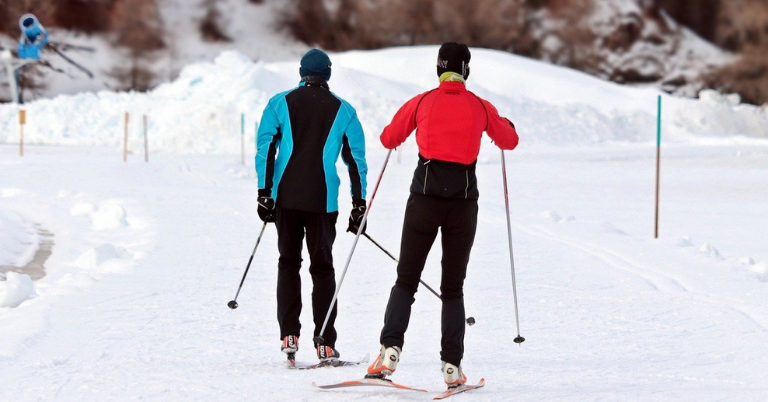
(275, 132)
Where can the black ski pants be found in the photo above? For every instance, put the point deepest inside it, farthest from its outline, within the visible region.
(457, 221)
(320, 229)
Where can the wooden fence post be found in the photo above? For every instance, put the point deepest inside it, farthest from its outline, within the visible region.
(22, 122)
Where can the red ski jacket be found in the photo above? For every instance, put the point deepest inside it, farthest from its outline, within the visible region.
(449, 123)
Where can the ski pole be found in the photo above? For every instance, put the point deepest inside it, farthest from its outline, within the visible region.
(319, 339)
(519, 339)
(233, 303)
(470, 320)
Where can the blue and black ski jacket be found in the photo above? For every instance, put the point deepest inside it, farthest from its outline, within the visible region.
(301, 134)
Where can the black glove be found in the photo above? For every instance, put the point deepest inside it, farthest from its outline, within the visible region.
(356, 216)
(266, 208)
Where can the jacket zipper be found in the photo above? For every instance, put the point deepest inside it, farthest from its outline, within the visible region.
(426, 174)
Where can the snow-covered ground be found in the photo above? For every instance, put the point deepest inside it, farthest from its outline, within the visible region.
(146, 255)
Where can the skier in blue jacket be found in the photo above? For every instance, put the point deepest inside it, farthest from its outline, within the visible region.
(301, 135)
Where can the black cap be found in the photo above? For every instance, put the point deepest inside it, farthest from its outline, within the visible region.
(453, 57)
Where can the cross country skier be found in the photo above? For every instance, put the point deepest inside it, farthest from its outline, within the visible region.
(449, 122)
(301, 135)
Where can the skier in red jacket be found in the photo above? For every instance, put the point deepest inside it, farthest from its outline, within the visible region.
(449, 122)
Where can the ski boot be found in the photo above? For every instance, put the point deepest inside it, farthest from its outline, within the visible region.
(327, 353)
(290, 347)
(385, 363)
(454, 377)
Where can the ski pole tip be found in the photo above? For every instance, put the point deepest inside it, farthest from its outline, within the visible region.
(519, 339)
(232, 304)
(471, 321)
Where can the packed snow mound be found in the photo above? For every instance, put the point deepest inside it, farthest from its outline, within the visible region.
(200, 112)
(16, 289)
(17, 239)
(107, 216)
(102, 257)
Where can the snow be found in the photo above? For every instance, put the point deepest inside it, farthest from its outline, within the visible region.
(196, 114)
(147, 255)
(18, 243)
(16, 289)
(251, 28)
(663, 48)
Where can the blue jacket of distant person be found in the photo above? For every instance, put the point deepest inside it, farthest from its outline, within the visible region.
(301, 135)
(33, 37)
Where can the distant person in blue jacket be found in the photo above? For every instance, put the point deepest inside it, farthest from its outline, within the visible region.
(33, 37)
(301, 135)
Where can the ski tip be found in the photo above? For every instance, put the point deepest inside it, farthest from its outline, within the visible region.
(320, 386)
(460, 389)
(366, 358)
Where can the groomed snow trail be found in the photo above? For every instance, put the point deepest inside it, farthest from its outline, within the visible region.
(148, 255)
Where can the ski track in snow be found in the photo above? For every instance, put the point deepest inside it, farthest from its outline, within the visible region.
(653, 275)
(605, 314)
(653, 278)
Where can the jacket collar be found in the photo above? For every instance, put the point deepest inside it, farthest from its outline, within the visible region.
(454, 85)
(451, 76)
(314, 81)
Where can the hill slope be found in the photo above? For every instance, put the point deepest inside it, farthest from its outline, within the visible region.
(200, 111)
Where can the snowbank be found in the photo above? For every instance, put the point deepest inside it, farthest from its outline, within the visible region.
(16, 289)
(200, 111)
(17, 241)
(104, 258)
(107, 216)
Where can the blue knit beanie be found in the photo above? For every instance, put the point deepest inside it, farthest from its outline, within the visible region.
(315, 62)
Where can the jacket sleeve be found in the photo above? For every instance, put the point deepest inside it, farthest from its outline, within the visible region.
(267, 143)
(500, 129)
(353, 155)
(402, 124)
